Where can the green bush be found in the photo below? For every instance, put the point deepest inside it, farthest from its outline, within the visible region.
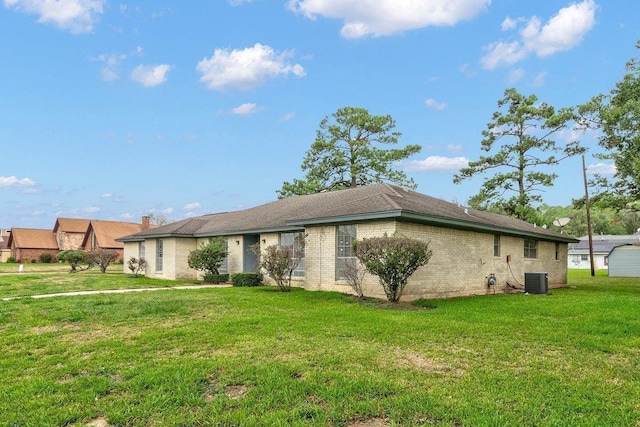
(11, 260)
(46, 258)
(33, 261)
(216, 278)
(246, 279)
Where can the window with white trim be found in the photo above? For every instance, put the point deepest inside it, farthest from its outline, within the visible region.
(224, 267)
(530, 248)
(295, 241)
(345, 236)
(159, 254)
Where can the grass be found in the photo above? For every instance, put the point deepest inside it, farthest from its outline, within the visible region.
(256, 357)
(54, 278)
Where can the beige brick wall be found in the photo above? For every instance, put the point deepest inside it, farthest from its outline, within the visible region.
(174, 260)
(461, 261)
(460, 265)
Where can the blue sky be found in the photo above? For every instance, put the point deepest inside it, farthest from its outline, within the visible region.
(114, 110)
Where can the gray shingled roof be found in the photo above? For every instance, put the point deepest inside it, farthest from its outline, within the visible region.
(604, 243)
(354, 204)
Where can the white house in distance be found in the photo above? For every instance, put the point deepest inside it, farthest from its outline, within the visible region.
(468, 245)
(602, 245)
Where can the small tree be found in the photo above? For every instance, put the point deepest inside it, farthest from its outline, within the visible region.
(101, 257)
(75, 259)
(393, 259)
(354, 275)
(209, 257)
(280, 262)
(136, 265)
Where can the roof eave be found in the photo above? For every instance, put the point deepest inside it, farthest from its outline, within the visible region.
(487, 228)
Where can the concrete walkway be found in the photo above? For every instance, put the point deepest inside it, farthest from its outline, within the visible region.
(117, 291)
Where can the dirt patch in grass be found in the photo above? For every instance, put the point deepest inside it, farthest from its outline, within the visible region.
(236, 391)
(387, 305)
(409, 359)
(370, 422)
(98, 422)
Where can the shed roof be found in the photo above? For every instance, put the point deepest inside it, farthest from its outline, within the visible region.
(380, 201)
(32, 238)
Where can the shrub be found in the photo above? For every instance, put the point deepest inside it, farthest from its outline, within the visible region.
(208, 257)
(393, 260)
(280, 262)
(136, 265)
(101, 257)
(246, 279)
(33, 261)
(75, 259)
(11, 260)
(46, 258)
(216, 278)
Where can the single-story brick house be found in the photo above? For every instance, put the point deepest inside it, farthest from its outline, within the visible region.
(70, 232)
(103, 234)
(27, 244)
(468, 245)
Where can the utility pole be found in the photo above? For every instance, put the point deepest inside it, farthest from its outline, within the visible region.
(586, 204)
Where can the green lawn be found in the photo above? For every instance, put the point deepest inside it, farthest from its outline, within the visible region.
(258, 357)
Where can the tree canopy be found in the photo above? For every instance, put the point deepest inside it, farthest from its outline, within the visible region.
(617, 117)
(520, 142)
(345, 154)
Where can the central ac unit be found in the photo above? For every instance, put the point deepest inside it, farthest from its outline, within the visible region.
(536, 283)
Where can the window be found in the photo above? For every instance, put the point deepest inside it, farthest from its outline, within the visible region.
(584, 257)
(159, 254)
(141, 250)
(496, 245)
(530, 248)
(224, 267)
(557, 251)
(345, 236)
(295, 241)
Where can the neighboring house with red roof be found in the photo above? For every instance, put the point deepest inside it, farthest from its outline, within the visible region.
(468, 245)
(27, 244)
(70, 232)
(103, 235)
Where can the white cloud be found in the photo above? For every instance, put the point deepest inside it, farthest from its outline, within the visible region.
(245, 109)
(239, 2)
(287, 117)
(601, 169)
(151, 75)
(190, 206)
(539, 80)
(77, 16)
(515, 75)
(247, 68)
(11, 182)
(563, 31)
(432, 103)
(167, 211)
(437, 163)
(112, 62)
(106, 195)
(91, 209)
(385, 17)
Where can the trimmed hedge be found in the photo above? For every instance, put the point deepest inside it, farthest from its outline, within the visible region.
(246, 279)
(216, 278)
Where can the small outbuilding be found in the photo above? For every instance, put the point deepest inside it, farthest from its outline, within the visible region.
(624, 261)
